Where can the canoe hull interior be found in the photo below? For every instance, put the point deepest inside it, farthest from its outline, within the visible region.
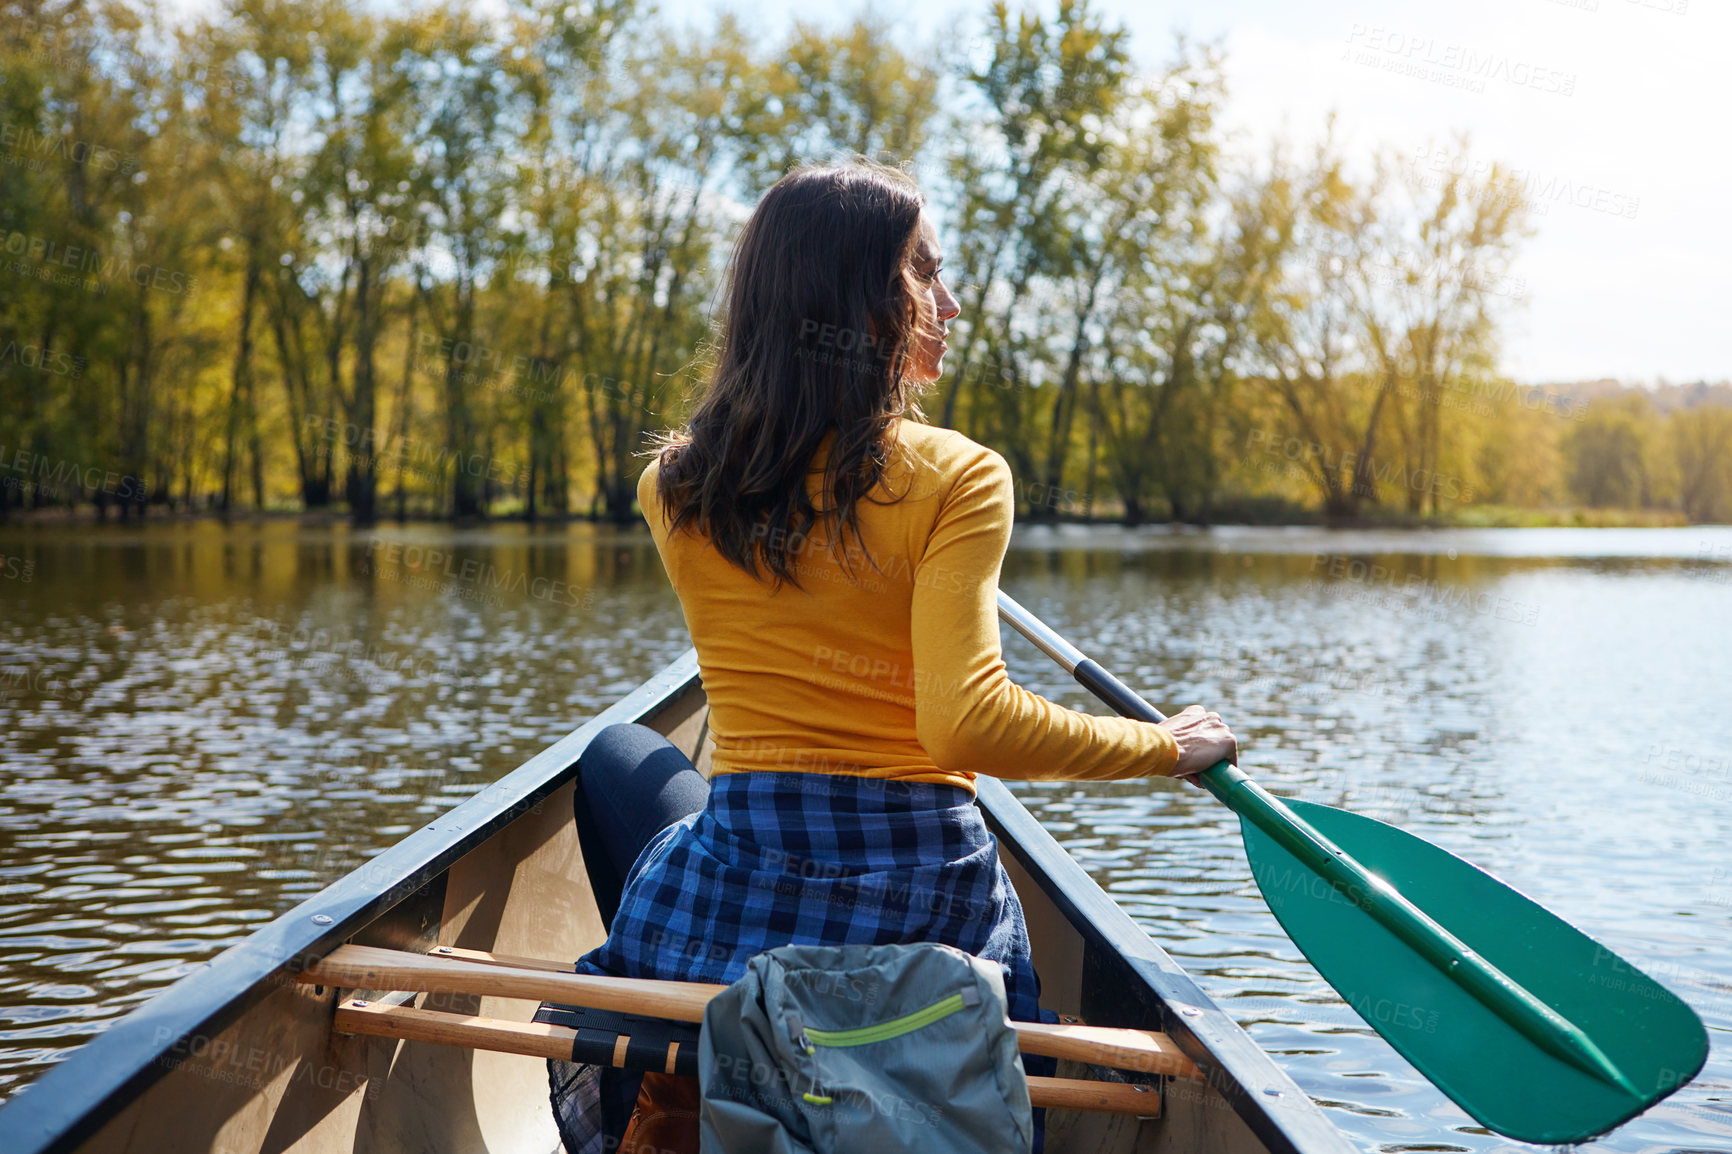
(279, 1079)
(264, 1071)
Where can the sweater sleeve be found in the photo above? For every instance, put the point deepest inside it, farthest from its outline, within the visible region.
(969, 716)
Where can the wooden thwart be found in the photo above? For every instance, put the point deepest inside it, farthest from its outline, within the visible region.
(470, 972)
(539, 1040)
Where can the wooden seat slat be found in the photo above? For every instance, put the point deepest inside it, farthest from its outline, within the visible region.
(372, 968)
(538, 1040)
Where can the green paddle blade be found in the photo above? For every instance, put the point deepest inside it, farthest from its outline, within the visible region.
(1485, 1064)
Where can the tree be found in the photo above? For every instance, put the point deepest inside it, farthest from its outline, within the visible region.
(1170, 321)
(856, 92)
(1032, 116)
(1701, 440)
(1606, 458)
(465, 106)
(252, 65)
(1390, 303)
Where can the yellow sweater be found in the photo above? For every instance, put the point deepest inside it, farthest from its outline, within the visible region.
(897, 673)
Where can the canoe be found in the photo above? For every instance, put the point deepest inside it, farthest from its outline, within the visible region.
(243, 1056)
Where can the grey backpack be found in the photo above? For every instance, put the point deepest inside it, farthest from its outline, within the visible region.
(822, 1049)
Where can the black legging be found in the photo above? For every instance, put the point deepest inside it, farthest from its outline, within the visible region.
(632, 783)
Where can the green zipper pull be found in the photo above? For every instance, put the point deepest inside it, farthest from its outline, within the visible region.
(797, 1032)
(812, 1095)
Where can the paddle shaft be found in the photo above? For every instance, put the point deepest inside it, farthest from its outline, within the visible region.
(1537, 1021)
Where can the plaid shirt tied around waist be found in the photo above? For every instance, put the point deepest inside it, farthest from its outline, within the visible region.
(778, 858)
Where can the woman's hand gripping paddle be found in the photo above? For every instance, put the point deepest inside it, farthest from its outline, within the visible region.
(1532, 1027)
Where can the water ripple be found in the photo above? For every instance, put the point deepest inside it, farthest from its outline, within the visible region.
(199, 728)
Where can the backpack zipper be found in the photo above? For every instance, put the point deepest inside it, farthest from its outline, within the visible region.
(894, 1028)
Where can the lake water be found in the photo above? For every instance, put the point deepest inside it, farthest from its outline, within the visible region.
(200, 726)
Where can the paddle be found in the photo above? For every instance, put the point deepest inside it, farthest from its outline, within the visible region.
(1532, 1027)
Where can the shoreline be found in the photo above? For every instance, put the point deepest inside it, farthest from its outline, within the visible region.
(1476, 517)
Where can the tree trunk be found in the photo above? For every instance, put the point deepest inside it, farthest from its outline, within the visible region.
(459, 424)
(1094, 449)
(306, 427)
(361, 483)
(405, 395)
(135, 411)
(255, 445)
(240, 378)
(1064, 405)
(1364, 487)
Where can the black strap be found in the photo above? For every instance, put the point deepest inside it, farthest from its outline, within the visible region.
(647, 1039)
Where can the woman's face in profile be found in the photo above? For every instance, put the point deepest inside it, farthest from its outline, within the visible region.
(937, 308)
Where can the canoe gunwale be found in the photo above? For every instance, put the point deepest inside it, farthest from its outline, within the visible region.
(75, 1098)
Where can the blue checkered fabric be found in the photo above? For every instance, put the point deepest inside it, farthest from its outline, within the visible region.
(779, 858)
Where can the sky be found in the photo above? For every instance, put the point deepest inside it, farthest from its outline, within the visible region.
(1616, 113)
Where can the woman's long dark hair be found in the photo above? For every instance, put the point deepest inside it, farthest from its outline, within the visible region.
(820, 330)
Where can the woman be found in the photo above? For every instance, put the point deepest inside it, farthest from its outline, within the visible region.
(837, 563)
